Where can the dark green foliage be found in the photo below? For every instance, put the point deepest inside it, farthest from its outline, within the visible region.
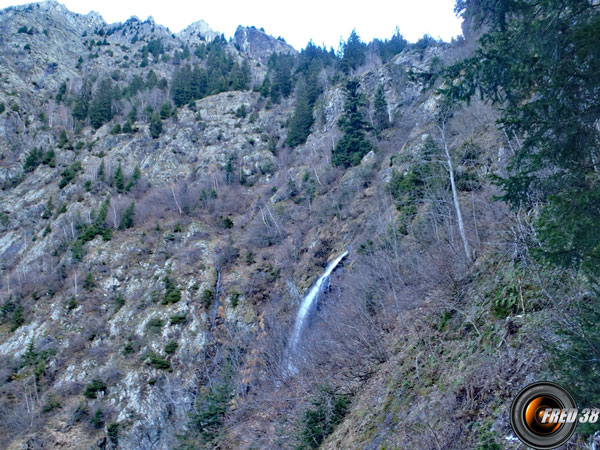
(127, 127)
(171, 347)
(112, 431)
(155, 324)
(165, 110)
(178, 319)
(157, 362)
(100, 110)
(62, 90)
(156, 127)
(127, 219)
(119, 179)
(135, 176)
(241, 112)
(116, 129)
(354, 144)
(32, 160)
(49, 158)
(97, 420)
(69, 174)
(207, 298)
(93, 387)
(319, 420)
(578, 363)
(227, 223)
(280, 75)
(2, 107)
(89, 232)
(207, 416)
(62, 138)
(52, 403)
(302, 120)
(354, 53)
(380, 118)
(119, 302)
(172, 292)
(389, 48)
(555, 166)
(221, 73)
(89, 283)
(17, 318)
(234, 299)
(81, 107)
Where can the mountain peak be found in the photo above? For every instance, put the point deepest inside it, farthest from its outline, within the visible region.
(258, 44)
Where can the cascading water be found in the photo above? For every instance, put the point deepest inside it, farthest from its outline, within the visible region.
(306, 307)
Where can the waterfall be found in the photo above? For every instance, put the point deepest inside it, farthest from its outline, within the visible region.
(306, 306)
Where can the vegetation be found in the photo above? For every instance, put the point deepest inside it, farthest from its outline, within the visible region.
(354, 144)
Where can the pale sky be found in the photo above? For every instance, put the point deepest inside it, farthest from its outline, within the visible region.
(324, 21)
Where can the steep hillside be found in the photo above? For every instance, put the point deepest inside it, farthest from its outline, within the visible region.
(167, 199)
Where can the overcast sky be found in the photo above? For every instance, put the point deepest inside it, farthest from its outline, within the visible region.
(323, 21)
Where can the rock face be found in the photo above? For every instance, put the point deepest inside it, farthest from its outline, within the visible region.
(258, 44)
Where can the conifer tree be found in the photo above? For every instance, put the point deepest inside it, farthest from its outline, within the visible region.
(127, 219)
(354, 144)
(380, 119)
(119, 179)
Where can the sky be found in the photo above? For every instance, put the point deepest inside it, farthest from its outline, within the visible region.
(323, 21)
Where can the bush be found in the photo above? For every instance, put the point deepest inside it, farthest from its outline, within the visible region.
(89, 283)
(97, 419)
(155, 324)
(93, 387)
(69, 174)
(319, 420)
(156, 361)
(178, 319)
(172, 292)
(116, 129)
(171, 347)
(207, 298)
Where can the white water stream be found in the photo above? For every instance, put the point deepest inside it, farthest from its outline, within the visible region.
(306, 306)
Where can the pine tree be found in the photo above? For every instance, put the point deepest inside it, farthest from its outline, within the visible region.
(127, 219)
(354, 53)
(301, 121)
(354, 144)
(155, 126)
(119, 179)
(101, 108)
(380, 119)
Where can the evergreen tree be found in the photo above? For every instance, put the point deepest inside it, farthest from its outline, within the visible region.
(354, 144)
(127, 219)
(119, 179)
(80, 110)
(101, 107)
(301, 121)
(380, 119)
(353, 53)
(137, 173)
(155, 126)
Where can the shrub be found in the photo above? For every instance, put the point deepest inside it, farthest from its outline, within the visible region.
(69, 174)
(172, 292)
(155, 324)
(319, 420)
(93, 387)
(171, 347)
(207, 298)
(178, 319)
(156, 361)
(97, 419)
(89, 283)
